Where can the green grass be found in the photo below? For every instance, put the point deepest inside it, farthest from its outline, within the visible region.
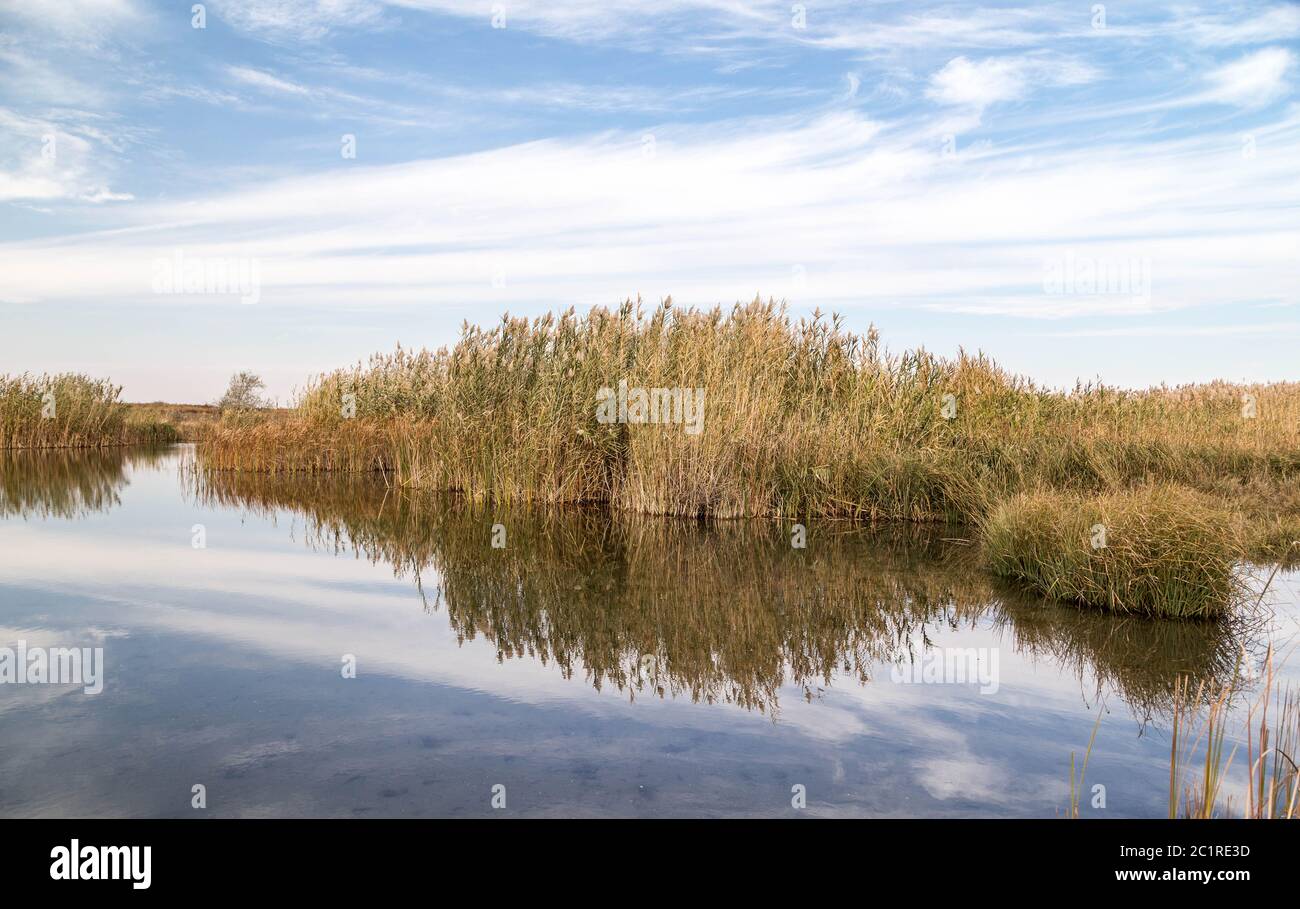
(1158, 550)
(1270, 756)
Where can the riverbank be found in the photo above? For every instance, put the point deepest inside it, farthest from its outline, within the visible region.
(1133, 501)
(70, 410)
(801, 420)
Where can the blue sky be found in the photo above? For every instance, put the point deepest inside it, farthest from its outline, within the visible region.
(1081, 190)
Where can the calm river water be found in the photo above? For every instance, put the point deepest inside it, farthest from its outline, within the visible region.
(327, 647)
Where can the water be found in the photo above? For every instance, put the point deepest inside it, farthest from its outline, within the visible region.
(592, 666)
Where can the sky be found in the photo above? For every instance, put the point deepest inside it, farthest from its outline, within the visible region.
(1083, 191)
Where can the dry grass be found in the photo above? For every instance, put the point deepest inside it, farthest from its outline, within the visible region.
(802, 418)
(71, 411)
(192, 422)
(1272, 750)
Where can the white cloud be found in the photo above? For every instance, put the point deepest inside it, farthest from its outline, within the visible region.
(81, 20)
(634, 21)
(54, 158)
(1278, 23)
(305, 20)
(869, 212)
(676, 26)
(978, 84)
(265, 81)
(1254, 80)
(980, 29)
(35, 81)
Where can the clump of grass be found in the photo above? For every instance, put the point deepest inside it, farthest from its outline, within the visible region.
(1157, 550)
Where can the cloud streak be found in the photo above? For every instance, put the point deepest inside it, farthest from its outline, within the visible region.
(838, 212)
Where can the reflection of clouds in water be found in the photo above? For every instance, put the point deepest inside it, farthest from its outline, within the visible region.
(308, 607)
(963, 777)
(26, 695)
(37, 636)
(287, 604)
(269, 614)
(997, 789)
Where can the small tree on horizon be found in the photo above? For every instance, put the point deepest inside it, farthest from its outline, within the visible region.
(242, 393)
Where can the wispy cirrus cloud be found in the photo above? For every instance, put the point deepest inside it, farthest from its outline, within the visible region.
(302, 20)
(1255, 80)
(1217, 28)
(56, 158)
(85, 22)
(842, 211)
(266, 81)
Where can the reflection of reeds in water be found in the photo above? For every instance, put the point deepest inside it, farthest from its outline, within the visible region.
(1140, 657)
(717, 612)
(65, 483)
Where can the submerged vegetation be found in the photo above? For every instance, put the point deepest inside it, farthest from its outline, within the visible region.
(804, 419)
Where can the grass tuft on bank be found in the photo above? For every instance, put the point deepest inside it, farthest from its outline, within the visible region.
(1159, 550)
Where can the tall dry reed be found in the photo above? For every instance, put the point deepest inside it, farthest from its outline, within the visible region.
(69, 410)
(801, 418)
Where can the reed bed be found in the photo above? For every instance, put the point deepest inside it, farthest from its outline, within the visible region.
(186, 422)
(802, 418)
(69, 410)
